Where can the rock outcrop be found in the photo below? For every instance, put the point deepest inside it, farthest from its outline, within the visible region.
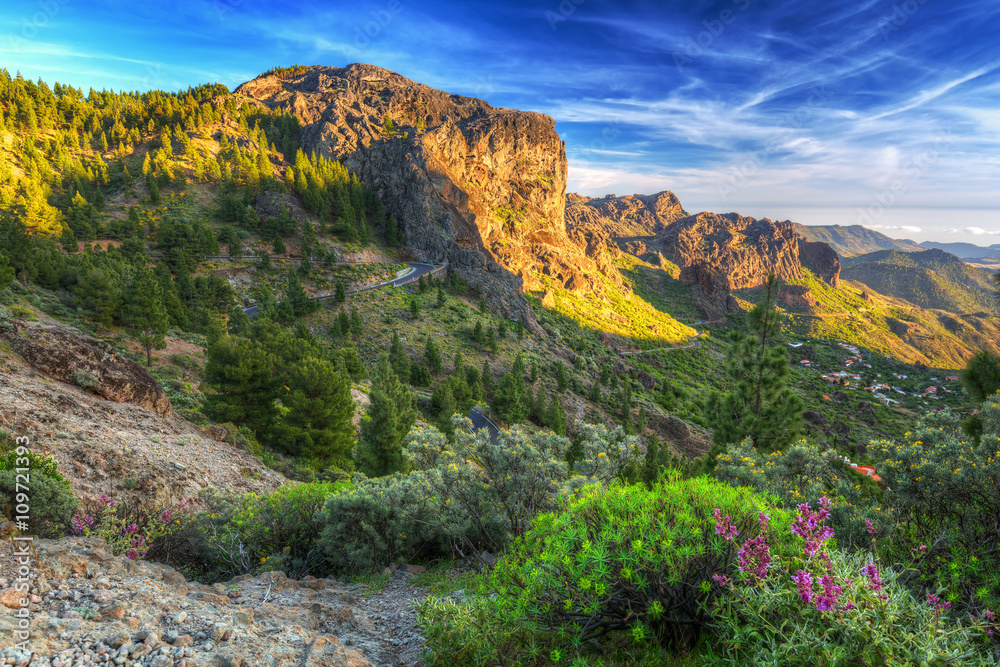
(621, 217)
(481, 187)
(821, 259)
(796, 296)
(75, 358)
(100, 444)
(724, 252)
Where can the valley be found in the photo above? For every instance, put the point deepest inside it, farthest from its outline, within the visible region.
(244, 330)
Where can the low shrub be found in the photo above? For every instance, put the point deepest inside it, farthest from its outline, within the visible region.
(610, 563)
(945, 500)
(804, 473)
(128, 528)
(823, 607)
(251, 533)
(48, 501)
(32, 479)
(381, 521)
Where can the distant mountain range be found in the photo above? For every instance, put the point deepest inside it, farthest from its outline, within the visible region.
(969, 250)
(858, 240)
(854, 239)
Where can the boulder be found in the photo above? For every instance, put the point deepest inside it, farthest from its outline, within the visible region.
(73, 357)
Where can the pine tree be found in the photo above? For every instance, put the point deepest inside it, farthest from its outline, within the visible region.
(534, 372)
(653, 463)
(555, 416)
(357, 325)
(459, 364)
(340, 295)
(761, 405)
(390, 416)
(242, 373)
(279, 246)
(295, 296)
(145, 314)
(444, 406)
(432, 356)
(440, 297)
(98, 296)
(317, 420)
(641, 424)
(486, 377)
(414, 308)
(561, 381)
(981, 376)
(344, 323)
(399, 358)
(511, 400)
(6, 273)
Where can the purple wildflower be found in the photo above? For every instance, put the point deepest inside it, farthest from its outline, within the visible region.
(938, 604)
(874, 579)
(104, 501)
(870, 527)
(131, 528)
(804, 581)
(808, 526)
(827, 600)
(755, 556)
(724, 526)
(132, 554)
(720, 579)
(165, 516)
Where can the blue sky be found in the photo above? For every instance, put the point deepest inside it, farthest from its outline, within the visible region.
(847, 111)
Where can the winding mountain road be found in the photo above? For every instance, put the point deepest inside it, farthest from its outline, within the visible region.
(481, 421)
(419, 269)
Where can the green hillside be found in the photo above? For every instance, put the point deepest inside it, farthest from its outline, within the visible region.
(853, 239)
(929, 279)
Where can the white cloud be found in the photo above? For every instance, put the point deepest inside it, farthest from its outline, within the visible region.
(979, 231)
(900, 228)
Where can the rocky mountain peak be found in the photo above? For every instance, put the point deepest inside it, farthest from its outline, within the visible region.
(626, 216)
(481, 187)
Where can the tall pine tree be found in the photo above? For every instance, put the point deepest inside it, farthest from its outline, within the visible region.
(145, 313)
(760, 405)
(379, 450)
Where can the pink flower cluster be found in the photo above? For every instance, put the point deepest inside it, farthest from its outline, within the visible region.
(875, 580)
(104, 502)
(754, 559)
(809, 526)
(940, 606)
(82, 522)
(724, 526)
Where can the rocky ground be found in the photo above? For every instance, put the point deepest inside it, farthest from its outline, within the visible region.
(117, 448)
(91, 608)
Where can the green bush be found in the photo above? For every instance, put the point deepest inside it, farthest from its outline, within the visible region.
(382, 521)
(237, 535)
(622, 561)
(945, 499)
(804, 472)
(85, 380)
(826, 607)
(50, 502)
